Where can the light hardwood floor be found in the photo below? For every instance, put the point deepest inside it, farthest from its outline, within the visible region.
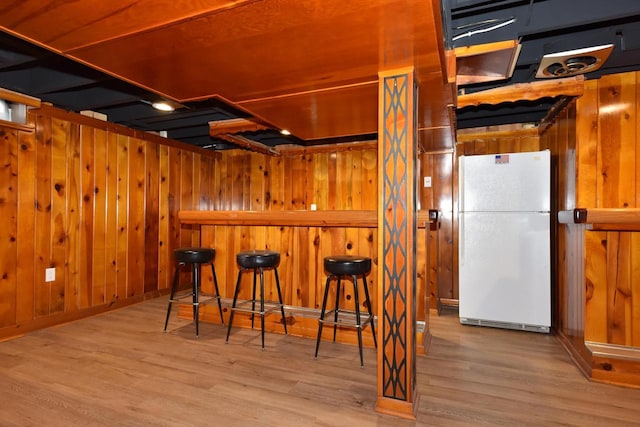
(120, 369)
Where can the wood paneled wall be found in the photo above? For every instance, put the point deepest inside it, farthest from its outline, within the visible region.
(96, 202)
(496, 140)
(337, 177)
(567, 294)
(332, 178)
(608, 175)
(599, 271)
(439, 166)
(99, 203)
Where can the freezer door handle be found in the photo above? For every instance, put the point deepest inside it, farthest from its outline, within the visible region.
(461, 184)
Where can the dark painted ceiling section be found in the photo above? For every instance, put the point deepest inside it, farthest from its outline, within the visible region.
(543, 27)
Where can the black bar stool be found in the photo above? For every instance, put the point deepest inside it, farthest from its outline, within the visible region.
(194, 257)
(257, 261)
(354, 266)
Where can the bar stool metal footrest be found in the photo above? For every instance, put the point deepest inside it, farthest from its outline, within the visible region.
(347, 319)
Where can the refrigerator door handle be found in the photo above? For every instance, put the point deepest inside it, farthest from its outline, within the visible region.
(461, 184)
(461, 240)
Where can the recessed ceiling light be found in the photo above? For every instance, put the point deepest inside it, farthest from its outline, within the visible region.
(162, 106)
(285, 132)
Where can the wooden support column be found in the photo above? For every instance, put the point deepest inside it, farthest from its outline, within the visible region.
(397, 229)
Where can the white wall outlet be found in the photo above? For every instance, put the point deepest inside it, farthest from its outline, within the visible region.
(427, 182)
(50, 275)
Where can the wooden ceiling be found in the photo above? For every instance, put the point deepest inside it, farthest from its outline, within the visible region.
(307, 66)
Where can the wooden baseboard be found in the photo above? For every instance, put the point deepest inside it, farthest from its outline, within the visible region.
(581, 356)
(18, 330)
(615, 364)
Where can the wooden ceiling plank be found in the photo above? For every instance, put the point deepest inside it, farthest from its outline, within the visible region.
(570, 86)
(226, 49)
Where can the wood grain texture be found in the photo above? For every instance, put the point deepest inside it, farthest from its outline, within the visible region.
(335, 218)
(617, 140)
(133, 374)
(86, 203)
(26, 224)
(87, 217)
(68, 202)
(100, 209)
(118, 203)
(151, 223)
(111, 292)
(599, 172)
(42, 234)
(8, 226)
(330, 93)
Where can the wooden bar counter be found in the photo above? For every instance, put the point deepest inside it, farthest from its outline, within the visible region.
(303, 239)
(351, 218)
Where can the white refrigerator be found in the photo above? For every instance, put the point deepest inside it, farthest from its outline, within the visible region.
(504, 240)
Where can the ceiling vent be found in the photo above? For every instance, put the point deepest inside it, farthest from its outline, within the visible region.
(572, 62)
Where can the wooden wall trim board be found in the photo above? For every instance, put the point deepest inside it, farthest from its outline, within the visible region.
(612, 216)
(19, 98)
(581, 359)
(17, 126)
(569, 86)
(500, 132)
(16, 331)
(296, 150)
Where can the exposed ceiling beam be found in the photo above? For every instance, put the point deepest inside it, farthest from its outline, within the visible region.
(249, 144)
(234, 126)
(12, 96)
(570, 86)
